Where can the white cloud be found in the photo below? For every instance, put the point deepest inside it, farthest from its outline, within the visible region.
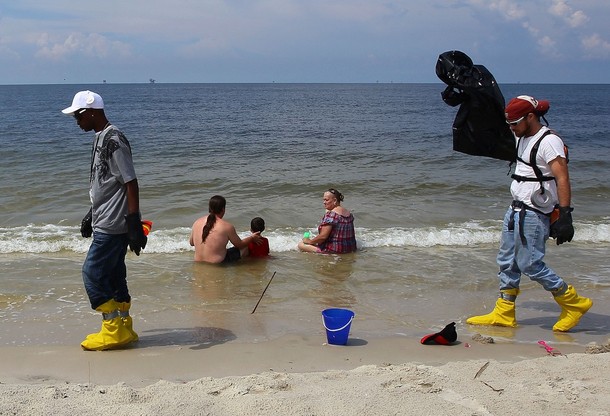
(533, 31)
(90, 45)
(549, 47)
(595, 46)
(578, 18)
(506, 8)
(205, 45)
(546, 44)
(560, 8)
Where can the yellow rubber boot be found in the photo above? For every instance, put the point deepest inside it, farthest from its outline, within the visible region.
(113, 334)
(573, 307)
(124, 313)
(503, 313)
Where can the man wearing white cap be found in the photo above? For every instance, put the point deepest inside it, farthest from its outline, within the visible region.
(541, 184)
(113, 220)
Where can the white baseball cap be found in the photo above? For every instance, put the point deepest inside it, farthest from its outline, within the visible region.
(84, 99)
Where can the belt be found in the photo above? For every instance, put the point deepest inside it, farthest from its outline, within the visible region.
(523, 208)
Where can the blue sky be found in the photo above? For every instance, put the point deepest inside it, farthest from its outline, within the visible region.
(528, 41)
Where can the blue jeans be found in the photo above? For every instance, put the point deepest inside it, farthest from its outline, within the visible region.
(515, 258)
(104, 271)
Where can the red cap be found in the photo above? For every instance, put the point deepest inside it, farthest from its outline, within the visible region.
(523, 105)
(445, 337)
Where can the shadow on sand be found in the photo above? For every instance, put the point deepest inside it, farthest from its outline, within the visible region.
(197, 338)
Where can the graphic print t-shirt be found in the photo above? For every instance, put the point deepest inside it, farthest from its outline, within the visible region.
(111, 168)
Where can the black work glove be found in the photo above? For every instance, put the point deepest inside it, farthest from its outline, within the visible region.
(135, 233)
(85, 226)
(562, 229)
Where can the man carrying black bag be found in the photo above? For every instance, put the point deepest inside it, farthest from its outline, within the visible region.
(484, 127)
(540, 183)
(113, 220)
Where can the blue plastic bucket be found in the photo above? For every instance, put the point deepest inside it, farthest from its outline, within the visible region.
(337, 323)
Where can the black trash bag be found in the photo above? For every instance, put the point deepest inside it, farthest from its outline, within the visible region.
(479, 127)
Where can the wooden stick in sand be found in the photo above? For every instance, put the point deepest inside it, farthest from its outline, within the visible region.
(263, 294)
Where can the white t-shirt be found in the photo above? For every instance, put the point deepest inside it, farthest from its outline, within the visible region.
(550, 148)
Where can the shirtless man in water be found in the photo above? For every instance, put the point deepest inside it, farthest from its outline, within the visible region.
(211, 234)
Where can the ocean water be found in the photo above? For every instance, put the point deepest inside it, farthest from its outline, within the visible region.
(428, 219)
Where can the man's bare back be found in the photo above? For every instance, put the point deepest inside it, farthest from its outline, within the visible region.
(214, 249)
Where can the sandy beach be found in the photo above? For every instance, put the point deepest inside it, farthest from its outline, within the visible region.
(428, 226)
(297, 375)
